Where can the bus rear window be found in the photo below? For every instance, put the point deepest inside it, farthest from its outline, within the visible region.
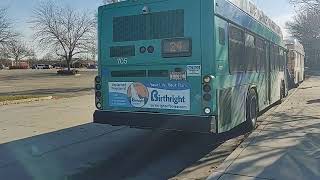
(159, 25)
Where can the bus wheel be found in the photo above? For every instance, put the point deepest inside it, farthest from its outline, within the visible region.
(282, 91)
(252, 109)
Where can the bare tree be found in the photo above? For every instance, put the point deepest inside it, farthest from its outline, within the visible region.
(307, 4)
(90, 46)
(110, 1)
(48, 57)
(305, 27)
(6, 33)
(18, 50)
(62, 29)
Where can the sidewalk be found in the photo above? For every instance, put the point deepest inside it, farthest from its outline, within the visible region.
(286, 146)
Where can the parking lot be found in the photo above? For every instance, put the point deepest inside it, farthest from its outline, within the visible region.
(45, 82)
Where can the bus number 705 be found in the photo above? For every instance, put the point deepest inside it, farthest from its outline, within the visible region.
(122, 60)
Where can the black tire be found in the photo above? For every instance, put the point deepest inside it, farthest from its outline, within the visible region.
(282, 91)
(252, 109)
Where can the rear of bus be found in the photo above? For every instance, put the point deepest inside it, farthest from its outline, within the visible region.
(150, 65)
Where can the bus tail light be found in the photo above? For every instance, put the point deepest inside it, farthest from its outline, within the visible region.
(98, 93)
(207, 88)
(98, 87)
(207, 97)
(99, 105)
(208, 79)
(207, 110)
(97, 79)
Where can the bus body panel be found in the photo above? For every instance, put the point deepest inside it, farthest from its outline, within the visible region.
(191, 29)
(207, 23)
(232, 88)
(139, 67)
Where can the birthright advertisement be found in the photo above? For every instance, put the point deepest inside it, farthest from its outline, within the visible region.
(172, 95)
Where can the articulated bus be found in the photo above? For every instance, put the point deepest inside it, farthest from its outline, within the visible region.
(196, 66)
(295, 62)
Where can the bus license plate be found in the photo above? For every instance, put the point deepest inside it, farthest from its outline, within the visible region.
(178, 76)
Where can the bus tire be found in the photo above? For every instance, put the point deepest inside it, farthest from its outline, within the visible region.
(251, 109)
(282, 91)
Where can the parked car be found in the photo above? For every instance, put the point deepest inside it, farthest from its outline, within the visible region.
(38, 66)
(47, 66)
(93, 66)
(42, 66)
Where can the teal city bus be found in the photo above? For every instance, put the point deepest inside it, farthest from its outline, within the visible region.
(197, 66)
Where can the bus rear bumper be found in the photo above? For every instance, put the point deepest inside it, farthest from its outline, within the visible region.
(157, 121)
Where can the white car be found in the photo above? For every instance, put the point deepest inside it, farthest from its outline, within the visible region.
(39, 66)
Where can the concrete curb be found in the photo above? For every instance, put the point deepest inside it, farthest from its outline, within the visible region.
(25, 100)
(222, 169)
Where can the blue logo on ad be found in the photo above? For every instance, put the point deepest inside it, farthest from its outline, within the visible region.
(157, 97)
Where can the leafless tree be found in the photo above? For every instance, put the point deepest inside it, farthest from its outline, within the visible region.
(62, 29)
(49, 57)
(110, 1)
(305, 26)
(90, 46)
(6, 32)
(17, 50)
(307, 4)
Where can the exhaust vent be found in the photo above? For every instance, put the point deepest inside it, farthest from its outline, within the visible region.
(157, 25)
(141, 73)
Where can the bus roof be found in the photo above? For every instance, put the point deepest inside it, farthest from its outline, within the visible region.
(250, 8)
(294, 44)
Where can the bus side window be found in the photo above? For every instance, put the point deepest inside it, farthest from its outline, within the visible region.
(261, 55)
(271, 56)
(222, 36)
(250, 53)
(236, 49)
(280, 59)
(283, 59)
(274, 60)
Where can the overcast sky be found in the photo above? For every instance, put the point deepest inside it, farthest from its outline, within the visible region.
(20, 11)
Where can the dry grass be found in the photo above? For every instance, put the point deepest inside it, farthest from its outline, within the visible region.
(13, 98)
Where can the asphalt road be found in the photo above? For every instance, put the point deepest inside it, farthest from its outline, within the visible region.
(55, 139)
(45, 82)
